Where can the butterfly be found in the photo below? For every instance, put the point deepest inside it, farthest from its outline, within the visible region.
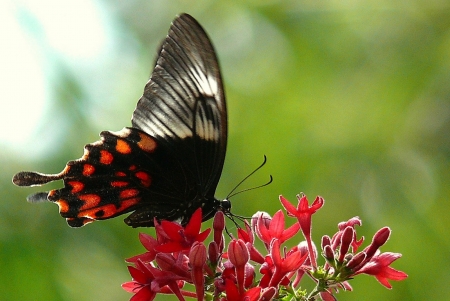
(169, 162)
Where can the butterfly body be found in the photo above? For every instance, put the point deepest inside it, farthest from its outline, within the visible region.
(169, 162)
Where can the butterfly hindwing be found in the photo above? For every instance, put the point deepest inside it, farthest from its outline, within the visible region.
(107, 181)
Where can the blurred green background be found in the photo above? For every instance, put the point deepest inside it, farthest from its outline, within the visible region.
(349, 100)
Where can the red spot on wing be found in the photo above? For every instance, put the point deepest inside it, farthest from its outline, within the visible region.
(128, 193)
(147, 143)
(132, 167)
(108, 211)
(106, 157)
(77, 186)
(145, 178)
(128, 203)
(88, 170)
(119, 183)
(120, 174)
(123, 147)
(90, 201)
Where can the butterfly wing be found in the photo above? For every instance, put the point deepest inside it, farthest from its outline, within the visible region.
(183, 107)
(169, 163)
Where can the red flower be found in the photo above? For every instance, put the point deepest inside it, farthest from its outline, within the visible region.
(233, 293)
(179, 256)
(276, 267)
(149, 243)
(268, 229)
(238, 256)
(140, 285)
(197, 259)
(379, 267)
(148, 281)
(179, 238)
(336, 240)
(303, 213)
(248, 237)
(219, 226)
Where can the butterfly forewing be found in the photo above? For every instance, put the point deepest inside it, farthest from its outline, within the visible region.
(183, 105)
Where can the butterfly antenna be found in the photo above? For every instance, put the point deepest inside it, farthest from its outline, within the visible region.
(248, 189)
(248, 176)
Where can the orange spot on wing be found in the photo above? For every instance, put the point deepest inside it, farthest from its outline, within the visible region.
(123, 147)
(147, 143)
(99, 212)
(63, 206)
(90, 201)
(145, 178)
(88, 170)
(108, 211)
(119, 183)
(106, 157)
(77, 186)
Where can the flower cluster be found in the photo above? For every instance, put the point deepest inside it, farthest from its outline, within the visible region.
(179, 256)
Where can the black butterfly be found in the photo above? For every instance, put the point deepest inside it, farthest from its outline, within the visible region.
(169, 162)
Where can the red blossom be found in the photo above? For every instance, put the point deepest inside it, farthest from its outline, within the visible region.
(238, 256)
(274, 228)
(378, 240)
(175, 263)
(303, 213)
(248, 237)
(180, 238)
(149, 243)
(140, 285)
(197, 258)
(291, 262)
(219, 226)
(351, 223)
(233, 293)
(346, 240)
(148, 281)
(303, 248)
(179, 256)
(379, 267)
